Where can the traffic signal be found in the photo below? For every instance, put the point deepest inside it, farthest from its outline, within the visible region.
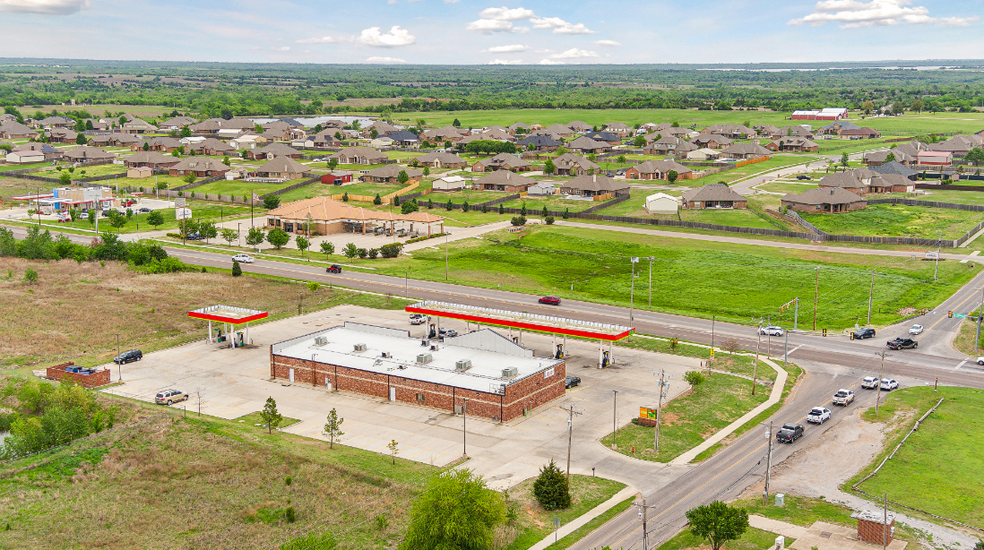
(824, 333)
(852, 336)
(949, 314)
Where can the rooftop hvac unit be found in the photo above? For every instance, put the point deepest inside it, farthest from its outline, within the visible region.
(387, 355)
(360, 347)
(510, 372)
(463, 365)
(424, 358)
(320, 341)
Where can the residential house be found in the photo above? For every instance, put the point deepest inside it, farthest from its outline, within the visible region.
(958, 146)
(619, 129)
(210, 147)
(248, 142)
(824, 200)
(140, 172)
(890, 183)
(669, 145)
(586, 145)
(801, 131)
(24, 157)
(561, 130)
(827, 113)
(114, 139)
(382, 128)
(542, 189)
(712, 141)
(55, 121)
(274, 150)
(160, 144)
(745, 151)
(547, 133)
(539, 143)
(202, 167)
(835, 128)
(11, 129)
(793, 144)
(451, 183)
(504, 180)
(326, 138)
(50, 152)
(496, 133)
(442, 160)
(704, 155)
(138, 126)
(359, 155)
(403, 138)
(391, 174)
(767, 130)
(522, 128)
(502, 161)
(661, 203)
(150, 159)
(382, 142)
(935, 158)
(605, 137)
(849, 181)
(87, 154)
(861, 133)
(62, 135)
(176, 123)
(570, 164)
(656, 170)
(894, 168)
(282, 168)
(579, 127)
(593, 185)
(712, 195)
(442, 135)
(329, 217)
(732, 131)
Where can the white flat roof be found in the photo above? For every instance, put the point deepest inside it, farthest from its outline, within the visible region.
(485, 374)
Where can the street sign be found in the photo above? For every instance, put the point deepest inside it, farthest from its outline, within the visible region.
(712, 352)
(959, 315)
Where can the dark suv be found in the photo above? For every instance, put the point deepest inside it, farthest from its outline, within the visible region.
(128, 357)
(789, 433)
(902, 343)
(863, 333)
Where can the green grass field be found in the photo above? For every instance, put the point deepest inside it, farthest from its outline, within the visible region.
(787, 187)
(734, 282)
(940, 468)
(942, 195)
(731, 176)
(888, 220)
(201, 210)
(534, 205)
(238, 188)
(368, 189)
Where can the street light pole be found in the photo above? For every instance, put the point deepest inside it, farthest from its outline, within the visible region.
(881, 373)
(614, 420)
(634, 261)
(120, 364)
(939, 248)
(651, 258)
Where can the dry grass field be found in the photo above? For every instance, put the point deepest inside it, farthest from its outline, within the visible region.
(75, 311)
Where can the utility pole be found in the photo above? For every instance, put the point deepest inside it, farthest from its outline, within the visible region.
(120, 364)
(651, 258)
(713, 318)
(785, 351)
(570, 436)
(885, 525)
(446, 255)
(634, 261)
(816, 298)
(663, 385)
(464, 429)
(758, 341)
(796, 313)
(881, 373)
(939, 248)
(871, 294)
(615, 420)
(977, 338)
(645, 534)
(768, 468)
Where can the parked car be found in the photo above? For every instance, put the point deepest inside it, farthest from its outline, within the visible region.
(889, 384)
(417, 319)
(195, 237)
(128, 356)
(903, 343)
(869, 382)
(818, 415)
(843, 397)
(789, 433)
(915, 329)
(803, 177)
(243, 258)
(334, 268)
(550, 300)
(863, 333)
(83, 215)
(771, 331)
(447, 333)
(572, 381)
(166, 397)
(144, 210)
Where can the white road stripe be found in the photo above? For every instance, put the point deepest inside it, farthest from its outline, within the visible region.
(962, 363)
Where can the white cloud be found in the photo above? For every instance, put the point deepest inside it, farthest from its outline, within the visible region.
(607, 43)
(396, 36)
(44, 7)
(280, 48)
(451, 1)
(856, 14)
(489, 26)
(574, 53)
(507, 49)
(559, 26)
(383, 59)
(506, 62)
(506, 14)
(323, 40)
(550, 62)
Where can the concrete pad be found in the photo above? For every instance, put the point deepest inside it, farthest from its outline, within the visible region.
(827, 536)
(783, 528)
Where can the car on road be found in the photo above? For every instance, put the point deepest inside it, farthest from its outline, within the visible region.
(803, 177)
(915, 330)
(843, 397)
(166, 397)
(862, 333)
(572, 381)
(550, 300)
(128, 356)
(869, 382)
(889, 384)
(789, 433)
(144, 210)
(903, 343)
(243, 258)
(818, 415)
(771, 331)
(417, 319)
(447, 333)
(980, 360)
(334, 268)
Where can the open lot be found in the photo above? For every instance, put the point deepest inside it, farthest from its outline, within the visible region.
(887, 220)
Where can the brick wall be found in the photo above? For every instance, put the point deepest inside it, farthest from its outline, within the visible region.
(94, 380)
(872, 532)
(529, 393)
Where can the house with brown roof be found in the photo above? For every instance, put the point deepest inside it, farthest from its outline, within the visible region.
(138, 126)
(159, 144)
(793, 144)
(958, 146)
(326, 138)
(211, 147)
(519, 128)
(619, 129)
(282, 168)
(560, 130)
(55, 121)
(177, 123)
(49, 152)
(360, 155)
(329, 217)
(586, 145)
(794, 131)
(570, 164)
(11, 129)
(274, 150)
(440, 135)
(745, 151)
(62, 135)
(656, 170)
(539, 143)
(593, 185)
(669, 145)
(504, 180)
(502, 161)
(442, 160)
(712, 141)
(391, 174)
(150, 159)
(732, 131)
(825, 200)
(114, 139)
(579, 126)
(87, 154)
(202, 167)
(712, 195)
(849, 181)
(861, 133)
(767, 130)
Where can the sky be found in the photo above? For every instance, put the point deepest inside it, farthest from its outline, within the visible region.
(478, 32)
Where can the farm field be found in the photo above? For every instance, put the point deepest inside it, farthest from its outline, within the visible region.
(898, 221)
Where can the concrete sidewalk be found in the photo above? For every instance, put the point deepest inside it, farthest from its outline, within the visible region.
(584, 519)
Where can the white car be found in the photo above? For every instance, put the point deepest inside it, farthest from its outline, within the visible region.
(888, 384)
(771, 331)
(980, 360)
(869, 382)
(915, 329)
(843, 397)
(243, 258)
(417, 319)
(818, 415)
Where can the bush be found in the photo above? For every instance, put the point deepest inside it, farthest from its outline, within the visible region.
(362, 253)
(30, 276)
(237, 270)
(391, 250)
(372, 253)
(551, 489)
(549, 220)
(693, 378)
(519, 220)
(271, 201)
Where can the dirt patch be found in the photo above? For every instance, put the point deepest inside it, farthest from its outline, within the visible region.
(669, 419)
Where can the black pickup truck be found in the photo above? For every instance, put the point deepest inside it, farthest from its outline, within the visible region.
(789, 433)
(902, 343)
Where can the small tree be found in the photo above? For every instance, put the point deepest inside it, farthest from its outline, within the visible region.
(185, 132)
(449, 205)
(351, 251)
(65, 178)
(271, 418)
(639, 141)
(502, 209)
(377, 200)
(522, 210)
(551, 489)
(208, 230)
(693, 378)
(409, 206)
(544, 213)
(456, 510)
(81, 139)
(30, 276)
(672, 176)
(345, 197)
(229, 235)
(393, 449)
(427, 170)
(278, 238)
(190, 178)
(327, 249)
(518, 221)
(373, 253)
(402, 177)
(975, 155)
(567, 213)
(255, 237)
(362, 253)
(116, 219)
(271, 201)
(731, 345)
(549, 219)
(302, 244)
(237, 270)
(549, 167)
(333, 428)
(465, 206)
(718, 523)
(845, 160)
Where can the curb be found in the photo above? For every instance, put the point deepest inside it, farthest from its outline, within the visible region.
(585, 518)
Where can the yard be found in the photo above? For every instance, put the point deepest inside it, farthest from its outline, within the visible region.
(240, 188)
(361, 188)
(554, 202)
(784, 188)
(215, 212)
(730, 176)
(886, 220)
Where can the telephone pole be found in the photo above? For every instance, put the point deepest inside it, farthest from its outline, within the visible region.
(615, 420)
(663, 386)
(871, 294)
(768, 468)
(758, 341)
(570, 436)
(881, 373)
(816, 299)
(651, 258)
(634, 261)
(980, 313)
(939, 249)
(644, 516)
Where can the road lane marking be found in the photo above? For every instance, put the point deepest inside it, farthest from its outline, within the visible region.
(794, 349)
(962, 363)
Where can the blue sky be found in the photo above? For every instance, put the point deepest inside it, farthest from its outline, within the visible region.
(482, 32)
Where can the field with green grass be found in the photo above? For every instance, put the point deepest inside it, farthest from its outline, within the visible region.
(888, 220)
(200, 210)
(362, 188)
(787, 187)
(734, 282)
(595, 117)
(9, 167)
(459, 197)
(731, 176)
(93, 171)
(535, 205)
(940, 469)
(942, 195)
(15, 187)
(753, 539)
(238, 188)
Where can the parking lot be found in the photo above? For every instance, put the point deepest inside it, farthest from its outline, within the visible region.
(235, 382)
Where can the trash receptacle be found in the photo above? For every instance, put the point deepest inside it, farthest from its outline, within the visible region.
(780, 500)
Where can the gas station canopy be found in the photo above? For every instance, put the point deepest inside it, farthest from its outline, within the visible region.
(228, 314)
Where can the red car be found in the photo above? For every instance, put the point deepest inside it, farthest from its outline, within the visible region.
(550, 300)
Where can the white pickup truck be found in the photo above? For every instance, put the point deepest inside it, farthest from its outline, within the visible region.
(843, 397)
